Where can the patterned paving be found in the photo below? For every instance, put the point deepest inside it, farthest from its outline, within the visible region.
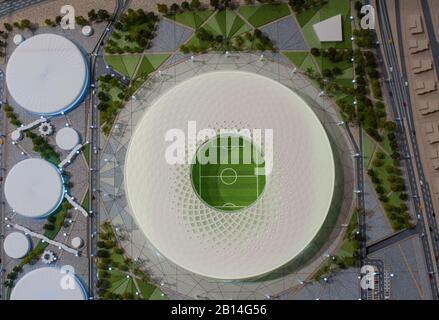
(170, 36)
(285, 34)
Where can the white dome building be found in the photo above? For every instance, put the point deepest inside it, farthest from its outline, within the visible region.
(34, 188)
(260, 238)
(47, 74)
(16, 245)
(48, 283)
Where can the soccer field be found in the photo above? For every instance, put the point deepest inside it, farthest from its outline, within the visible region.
(223, 174)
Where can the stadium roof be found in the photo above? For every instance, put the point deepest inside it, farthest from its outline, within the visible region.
(34, 188)
(256, 240)
(47, 74)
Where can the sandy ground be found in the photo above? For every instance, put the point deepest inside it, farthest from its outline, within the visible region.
(410, 7)
(50, 9)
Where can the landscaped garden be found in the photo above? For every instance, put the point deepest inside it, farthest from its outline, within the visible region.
(119, 276)
(347, 255)
(259, 15)
(133, 32)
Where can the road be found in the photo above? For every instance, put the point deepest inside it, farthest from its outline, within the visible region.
(9, 6)
(2, 207)
(97, 68)
(400, 97)
(393, 238)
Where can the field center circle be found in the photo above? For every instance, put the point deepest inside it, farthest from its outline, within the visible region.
(225, 175)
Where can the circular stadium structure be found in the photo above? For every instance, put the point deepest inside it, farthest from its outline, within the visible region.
(34, 188)
(269, 231)
(48, 283)
(47, 75)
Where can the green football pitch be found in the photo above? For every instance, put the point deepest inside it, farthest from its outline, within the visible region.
(224, 174)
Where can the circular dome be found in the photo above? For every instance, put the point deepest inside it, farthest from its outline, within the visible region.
(48, 283)
(18, 39)
(34, 188)
(47, 74)
(67, 138)
(87, 31)
(77, 242)
(250, 242)
(16, 245)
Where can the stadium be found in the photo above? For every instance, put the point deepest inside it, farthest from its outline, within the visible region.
(236, 224)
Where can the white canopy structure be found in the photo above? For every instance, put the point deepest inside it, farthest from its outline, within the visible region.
(330, 30)
(47, 74)
(34, 188)
(256, 240)
(16, 245)
(48, 283)
(67, 138)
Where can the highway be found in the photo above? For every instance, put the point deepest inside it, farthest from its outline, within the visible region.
(9, 6)
(400, 98)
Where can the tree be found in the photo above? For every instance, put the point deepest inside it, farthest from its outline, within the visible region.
(315, 52)
(80, 20)
(26, 24)
(49, 227)
(103, 15)
(49, 23)
(103, 253)
(327, 73)
(215, 3)
(195, 4)
(8, 26)
(185, 5)
(377, 163)
(175, 8)
(92, 15)
(162, 8)
(336, 71)
(58, 20)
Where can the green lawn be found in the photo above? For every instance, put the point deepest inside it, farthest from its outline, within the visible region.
(86, 152)
(227, 24)
(193, 19)
(124, 64)
(368, 149)
(383, 175)
(150, 63)
(124, 284)
(385, 143)
(306, 15)
(223, 183)
(86, 200)
(312, 16)
(263, 14)
(302, 60)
